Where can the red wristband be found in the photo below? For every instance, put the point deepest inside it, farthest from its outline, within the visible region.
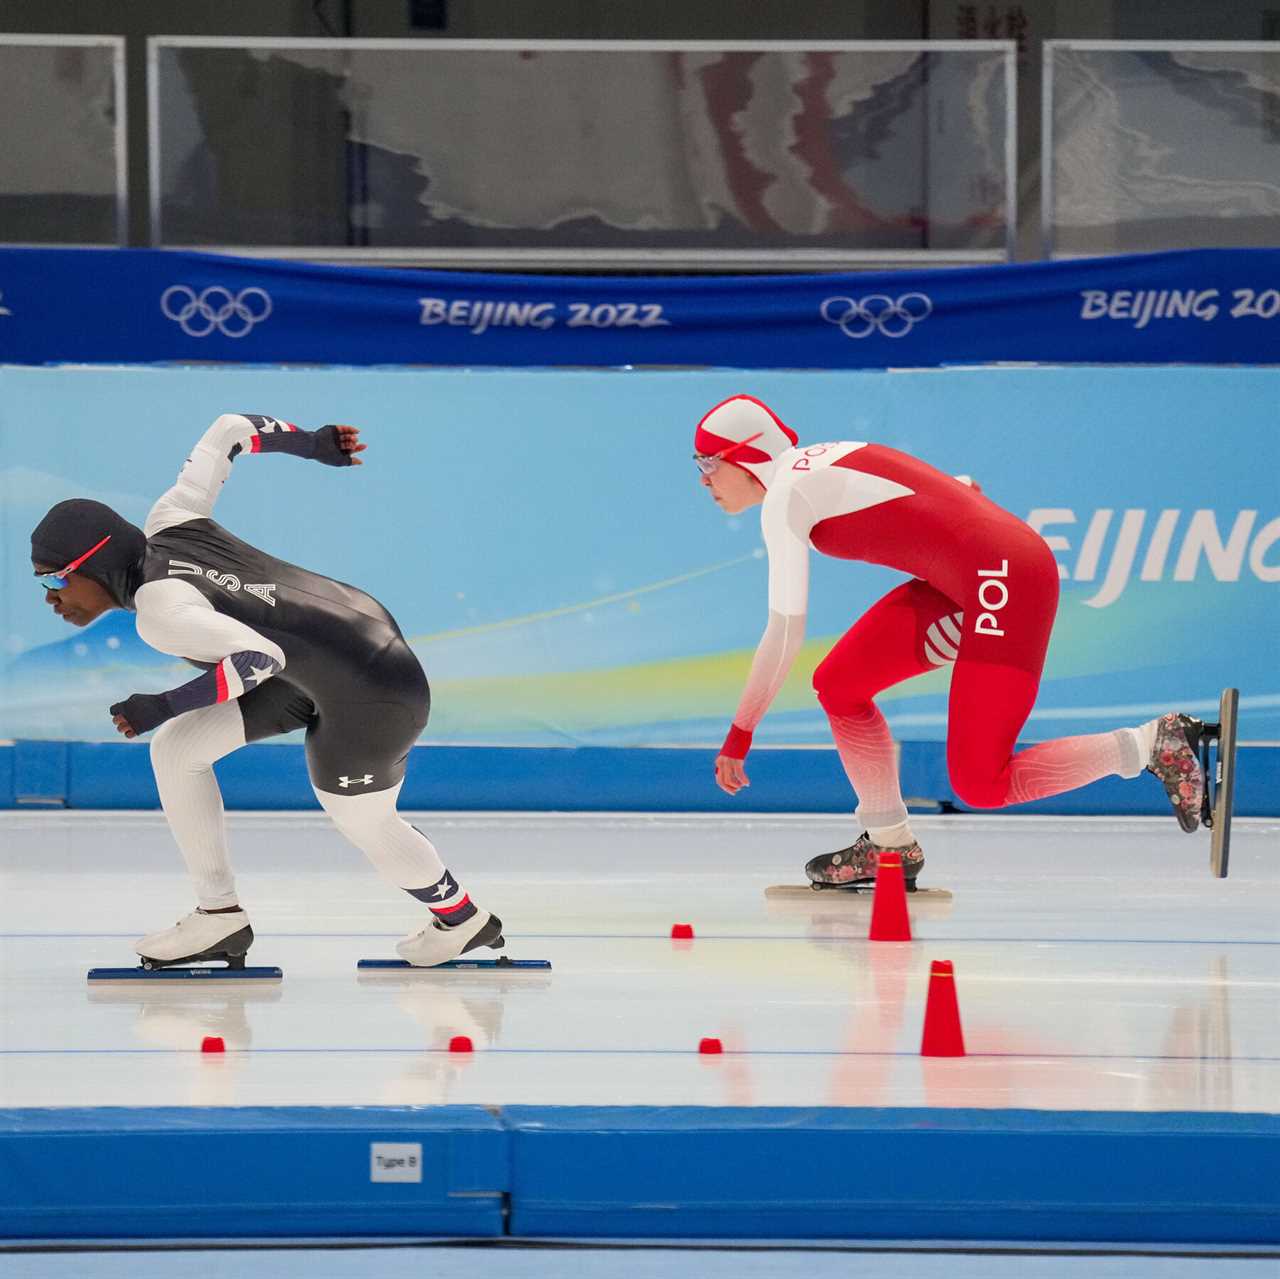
(737, 743)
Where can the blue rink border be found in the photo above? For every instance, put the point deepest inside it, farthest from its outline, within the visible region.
(117, 775)
(642, 1173)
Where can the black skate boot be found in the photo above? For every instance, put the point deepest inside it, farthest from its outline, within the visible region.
(1175, 760)
(856, 866)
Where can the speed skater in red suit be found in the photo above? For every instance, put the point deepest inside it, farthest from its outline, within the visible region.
(982, 596)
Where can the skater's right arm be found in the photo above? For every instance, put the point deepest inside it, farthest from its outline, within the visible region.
(206, 470)
(786, 521)
(175, 618)
(774, 657)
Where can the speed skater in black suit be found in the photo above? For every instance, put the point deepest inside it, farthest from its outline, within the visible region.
(281, 649)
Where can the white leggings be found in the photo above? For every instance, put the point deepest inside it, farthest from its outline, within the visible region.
(183, 752)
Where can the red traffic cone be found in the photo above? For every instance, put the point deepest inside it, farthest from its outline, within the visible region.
(942, 1034)
(461, 1044)
(889, 920)
(710, 1047)
(212, 1044)
(681, 932)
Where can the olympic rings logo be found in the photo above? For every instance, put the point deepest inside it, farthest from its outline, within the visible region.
(198, 314)
(877, 313)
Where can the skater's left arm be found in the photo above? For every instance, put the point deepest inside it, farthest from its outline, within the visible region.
(206, 470)
(174, 618)
(786, 522)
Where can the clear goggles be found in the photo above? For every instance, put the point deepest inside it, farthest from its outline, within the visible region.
(58, 581)
(708, 463)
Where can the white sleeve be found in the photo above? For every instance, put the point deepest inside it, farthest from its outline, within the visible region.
(202, 475)
(174, 618)
(786, 519)
(774, 657)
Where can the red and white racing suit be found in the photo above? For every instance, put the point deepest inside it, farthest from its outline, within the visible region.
(983, 596)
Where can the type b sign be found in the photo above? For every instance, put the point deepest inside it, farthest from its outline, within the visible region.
(395, 1161)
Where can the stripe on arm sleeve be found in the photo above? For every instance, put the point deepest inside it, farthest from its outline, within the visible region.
(230, 678)
(271, 435)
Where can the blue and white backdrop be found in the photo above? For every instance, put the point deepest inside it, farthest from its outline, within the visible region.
(543, 541)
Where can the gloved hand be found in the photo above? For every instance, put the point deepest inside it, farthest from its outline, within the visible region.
(141, 713)
(338, 445)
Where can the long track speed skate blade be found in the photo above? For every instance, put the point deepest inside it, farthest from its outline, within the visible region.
(828, 893)
(202, 975)
(1220, 784)
(402, 965)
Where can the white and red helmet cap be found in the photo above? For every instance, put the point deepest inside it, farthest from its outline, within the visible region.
(743, 418)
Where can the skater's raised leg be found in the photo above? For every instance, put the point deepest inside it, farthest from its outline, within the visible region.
(989, 706)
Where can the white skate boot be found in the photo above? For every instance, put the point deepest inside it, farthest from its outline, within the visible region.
(197, 937)
(437, 943)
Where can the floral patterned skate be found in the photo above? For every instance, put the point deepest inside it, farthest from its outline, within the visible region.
(1175, 760)
(858, 863)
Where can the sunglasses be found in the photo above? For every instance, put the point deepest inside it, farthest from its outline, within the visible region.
(58, 581)
(707, 463)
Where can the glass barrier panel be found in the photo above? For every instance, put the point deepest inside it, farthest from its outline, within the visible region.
(448, 148)
(1165, 146)
(62, 165)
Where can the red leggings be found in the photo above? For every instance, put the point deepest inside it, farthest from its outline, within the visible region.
(998, 635)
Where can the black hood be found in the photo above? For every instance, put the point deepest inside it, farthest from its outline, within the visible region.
(72, 527)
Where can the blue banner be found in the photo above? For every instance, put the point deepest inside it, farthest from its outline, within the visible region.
(1216, 306)
(544, 542)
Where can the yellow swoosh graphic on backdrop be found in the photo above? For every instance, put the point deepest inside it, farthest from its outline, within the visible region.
(599, 602)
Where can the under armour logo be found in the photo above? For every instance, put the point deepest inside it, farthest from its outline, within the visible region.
(344, 781)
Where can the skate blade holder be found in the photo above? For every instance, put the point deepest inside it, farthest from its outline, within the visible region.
(502, 965)
(187, 972)
(860, 892)
(1219, 768)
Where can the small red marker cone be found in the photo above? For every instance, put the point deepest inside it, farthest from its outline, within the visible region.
(889, 919)
(710, 1046)
(212, 1044)
(681, 932)
(942, 1034)
(460, 1044)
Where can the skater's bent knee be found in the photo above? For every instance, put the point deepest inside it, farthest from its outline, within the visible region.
(175, 748)
(840, 697)
(361, 814)
(190, 743)
(980, 791)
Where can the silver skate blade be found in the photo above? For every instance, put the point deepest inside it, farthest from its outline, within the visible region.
(403, 965)
(202, 975)
(1224, 783)
(828, 894)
